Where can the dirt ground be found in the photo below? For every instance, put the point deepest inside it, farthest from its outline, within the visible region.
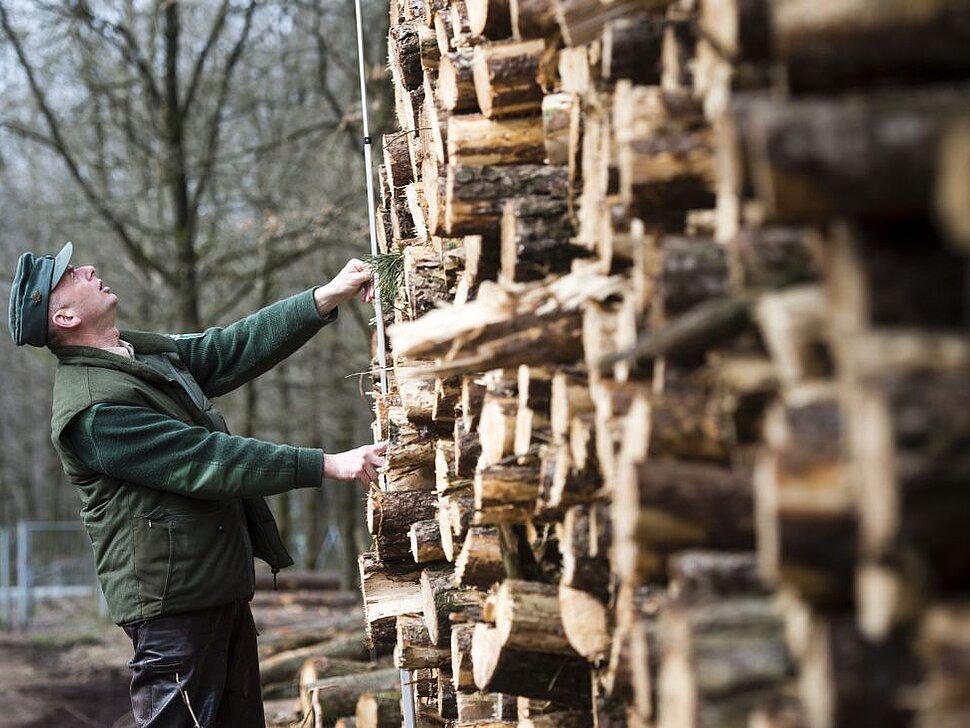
(68, 669)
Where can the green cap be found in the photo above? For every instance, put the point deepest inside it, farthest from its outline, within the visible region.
(32, 285)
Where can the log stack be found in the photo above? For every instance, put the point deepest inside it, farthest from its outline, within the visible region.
(678, 409)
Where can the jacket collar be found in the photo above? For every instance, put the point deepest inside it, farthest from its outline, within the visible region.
(143, 343)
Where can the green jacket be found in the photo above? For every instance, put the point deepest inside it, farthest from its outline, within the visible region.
(173, 504)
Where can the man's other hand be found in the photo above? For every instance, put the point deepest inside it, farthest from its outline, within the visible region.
(360, 464)
(355, 277)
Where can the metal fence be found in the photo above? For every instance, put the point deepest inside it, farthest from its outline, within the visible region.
(43, 561)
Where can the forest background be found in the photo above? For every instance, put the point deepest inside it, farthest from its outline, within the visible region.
(206, 157)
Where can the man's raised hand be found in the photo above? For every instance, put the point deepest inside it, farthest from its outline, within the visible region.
(355, 277)
(361, 464)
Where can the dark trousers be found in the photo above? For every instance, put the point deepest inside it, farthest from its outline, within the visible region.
(202, 663)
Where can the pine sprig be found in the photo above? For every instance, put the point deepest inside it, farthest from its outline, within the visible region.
(389, 268)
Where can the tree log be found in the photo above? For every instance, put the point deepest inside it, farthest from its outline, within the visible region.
(414, 648)
(875, 41)
(505, 77)
(489, 18)
(442, 597)
(562, 679)
(721, 659)
(507, 492)
(461, 657)
(582, 21)
(479, 564)
(527, 618)
(456, 85)
(631, 48)
(557, 127)
(474, 196)
(660, 506)
(334, 697)
(586, 623)
(476, 140)
(425, 539)
(533, 18)
(740, 30)
(535, 235)
(378, 710)
(389, 590)
(847, 680)
(814, 159)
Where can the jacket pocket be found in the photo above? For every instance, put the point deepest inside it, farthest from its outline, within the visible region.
(154, 558)
(209, 558)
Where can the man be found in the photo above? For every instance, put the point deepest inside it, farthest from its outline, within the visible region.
(173, 504)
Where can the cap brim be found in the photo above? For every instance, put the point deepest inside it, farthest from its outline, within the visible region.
(61, 261)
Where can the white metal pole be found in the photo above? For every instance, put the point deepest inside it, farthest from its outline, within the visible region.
(369, 177)
(407, 691)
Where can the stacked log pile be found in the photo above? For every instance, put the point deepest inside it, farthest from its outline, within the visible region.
(679, 408)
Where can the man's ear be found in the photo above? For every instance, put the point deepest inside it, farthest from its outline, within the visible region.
(65, 318)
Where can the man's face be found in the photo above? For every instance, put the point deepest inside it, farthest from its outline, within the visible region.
(81, 291)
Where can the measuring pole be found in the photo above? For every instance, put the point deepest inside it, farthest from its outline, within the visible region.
(407, 694)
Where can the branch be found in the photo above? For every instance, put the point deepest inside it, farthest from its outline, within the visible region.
(60, 146)
(130, 50)
(217, 26)
(215, 125)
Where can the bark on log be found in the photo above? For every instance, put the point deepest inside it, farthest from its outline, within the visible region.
(874, 41)
(527, 618)
(740, 30)
(930, 283)
(535, 238)
(562, 679)
(708, 576)
(847, 680)
(334, 697)
(533, 18)
(310, 632)
(378, 710)
(661, 506)
(581, 569)
(505, 78)
(507, 492)
(813, 159)
(557, 127)
(773, 257)
(474, 139)
(631, 48)
(691, 271)
(582, 21)
(397, 163)
(327, 659)
(721, 660)
(404, 54)
(489, 18)
(425, 539)
(461, 657)
(468, 448)
(456, 85)
(474, 196)
(805, 516)
(479, 564)
(441, 598)
(414, 648)
(664, 175)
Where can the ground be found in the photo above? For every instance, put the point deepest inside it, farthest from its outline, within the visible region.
(68, 669)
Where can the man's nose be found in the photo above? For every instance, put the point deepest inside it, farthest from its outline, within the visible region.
(88, 271)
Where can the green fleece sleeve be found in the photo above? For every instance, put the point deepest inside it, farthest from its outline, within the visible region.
(222, 359)
(145, 447)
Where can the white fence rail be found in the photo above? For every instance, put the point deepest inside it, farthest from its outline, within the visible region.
(44, 561)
